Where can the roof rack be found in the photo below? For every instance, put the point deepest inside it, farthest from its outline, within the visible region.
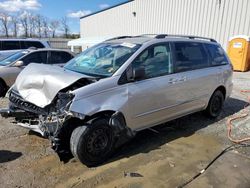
(161, 36)
(120, 37)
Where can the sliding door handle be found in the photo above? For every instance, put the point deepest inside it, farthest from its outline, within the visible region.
(172, 80)
(183, 79)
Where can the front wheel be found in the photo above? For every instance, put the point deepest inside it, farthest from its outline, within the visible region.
(3, 89)
(92, 144)
(215, 104)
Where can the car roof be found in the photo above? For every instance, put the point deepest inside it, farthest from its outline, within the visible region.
(134, 40)
(22, 39)
(45, 49)
(141, 39)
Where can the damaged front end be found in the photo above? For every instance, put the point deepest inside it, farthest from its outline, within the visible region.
(53, 121)
(57, 121)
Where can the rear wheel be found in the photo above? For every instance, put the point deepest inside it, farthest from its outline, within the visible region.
(215, 105)
(92, 144)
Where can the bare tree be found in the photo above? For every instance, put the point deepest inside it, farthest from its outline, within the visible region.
(5, 20)
(15, 21)
(32, 25)
(25, 23)
(39, 24)
(65, 26)
(54, 25)
(45, 26)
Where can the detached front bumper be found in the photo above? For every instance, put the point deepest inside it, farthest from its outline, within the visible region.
(24, 119)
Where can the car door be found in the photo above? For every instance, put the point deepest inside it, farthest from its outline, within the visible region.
(220, 64)
(196, 78)
(153, 99)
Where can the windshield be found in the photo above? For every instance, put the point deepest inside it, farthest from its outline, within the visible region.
(12, 58)
(103, 59)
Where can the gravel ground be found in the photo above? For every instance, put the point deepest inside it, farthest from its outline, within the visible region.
(166, 159)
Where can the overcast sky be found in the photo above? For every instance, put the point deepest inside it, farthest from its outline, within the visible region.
(56, 9)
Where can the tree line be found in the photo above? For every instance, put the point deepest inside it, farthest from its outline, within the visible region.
(32, 25)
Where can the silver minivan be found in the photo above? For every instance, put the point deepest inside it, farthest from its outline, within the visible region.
(102, 97)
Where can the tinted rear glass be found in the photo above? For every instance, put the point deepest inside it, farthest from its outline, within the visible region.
(59, 57)
(28, 44)
(217, 54)
(190, 56)
(10, 45)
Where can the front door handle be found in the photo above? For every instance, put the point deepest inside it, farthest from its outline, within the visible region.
(174, 80)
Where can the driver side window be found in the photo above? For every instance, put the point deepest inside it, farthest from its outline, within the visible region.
(157, 61)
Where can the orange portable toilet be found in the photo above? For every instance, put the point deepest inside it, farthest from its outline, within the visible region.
(239, 52)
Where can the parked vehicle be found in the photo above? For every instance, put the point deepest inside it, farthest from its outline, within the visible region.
(10, 46)
(12, 65)
(102, 97)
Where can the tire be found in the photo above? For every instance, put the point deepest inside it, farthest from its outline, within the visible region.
(92, 144)
(3, 89)
(215, 104)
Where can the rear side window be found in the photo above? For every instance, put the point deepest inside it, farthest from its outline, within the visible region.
(190, 56)
(10, 45)
(28, 44)
(35, 57)
(59, 57)
(217, 55)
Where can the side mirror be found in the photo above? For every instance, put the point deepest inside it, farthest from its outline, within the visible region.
(134, 74)
(19, 64)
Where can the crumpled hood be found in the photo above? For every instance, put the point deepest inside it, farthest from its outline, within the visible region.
(39, 83)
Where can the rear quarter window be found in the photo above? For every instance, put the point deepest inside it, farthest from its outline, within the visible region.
(217, 55)
(57, 57)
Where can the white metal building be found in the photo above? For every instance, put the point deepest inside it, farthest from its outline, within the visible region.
(218, 19)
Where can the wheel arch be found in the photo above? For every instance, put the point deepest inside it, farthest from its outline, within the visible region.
(5, 85)
(116, 121)
(106, 113)
(222, 89)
